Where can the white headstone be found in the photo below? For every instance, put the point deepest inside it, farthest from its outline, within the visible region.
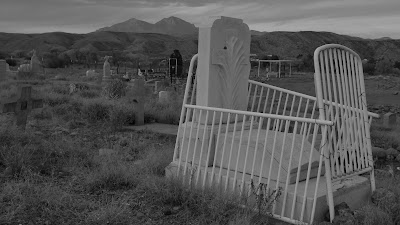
(106, 70)
(164, 96)
(35, 64)
(3, 70)
(224, 64)
(7, 67)
(90, 73)
(389, 119)
(24, 68)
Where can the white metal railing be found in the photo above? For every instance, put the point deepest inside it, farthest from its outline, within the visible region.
(339, 78)
(235, 154)
(282, 142)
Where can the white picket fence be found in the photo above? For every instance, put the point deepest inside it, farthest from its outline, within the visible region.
(282, 145)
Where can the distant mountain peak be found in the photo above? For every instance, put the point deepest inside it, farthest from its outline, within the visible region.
(172, 26)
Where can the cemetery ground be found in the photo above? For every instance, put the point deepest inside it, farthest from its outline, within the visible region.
(76, 164)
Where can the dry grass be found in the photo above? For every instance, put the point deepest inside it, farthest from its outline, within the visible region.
(53, 173)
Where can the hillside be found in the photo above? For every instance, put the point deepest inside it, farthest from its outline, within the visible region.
(283, 44)
(171, 26)
(293, 44)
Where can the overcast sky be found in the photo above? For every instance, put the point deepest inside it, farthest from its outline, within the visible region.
(364, 18)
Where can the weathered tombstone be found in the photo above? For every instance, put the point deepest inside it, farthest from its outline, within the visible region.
(22, 105)
(90, 73)
(35, 64)
(24, 71)
(224, 64)
(389, 119)
(3, 70)
(164, 96)
(106, 70)
(7, 67)
(139, 94)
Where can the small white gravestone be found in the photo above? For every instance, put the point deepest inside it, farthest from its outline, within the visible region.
(224, 64)
(35, 65)
(389, 119)
(7, 67)
(90, 73)
(3, 70)
(24, 68)
(164, 96)
(106, 70)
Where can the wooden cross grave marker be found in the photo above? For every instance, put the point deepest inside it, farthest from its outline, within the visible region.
(22, 105)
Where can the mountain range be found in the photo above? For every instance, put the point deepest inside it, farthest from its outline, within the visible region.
(160, 39)
(172, 26)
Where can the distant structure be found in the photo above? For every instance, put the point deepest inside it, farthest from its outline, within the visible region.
(175, 64)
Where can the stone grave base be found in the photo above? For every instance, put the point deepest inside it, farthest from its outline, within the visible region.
(355, 191)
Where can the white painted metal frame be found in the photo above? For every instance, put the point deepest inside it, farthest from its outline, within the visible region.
(339, 78)
(224, 155)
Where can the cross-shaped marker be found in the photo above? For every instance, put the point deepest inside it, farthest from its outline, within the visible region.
(22, 105)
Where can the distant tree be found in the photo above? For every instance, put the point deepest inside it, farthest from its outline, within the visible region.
(11, 62)
(3, 55)
(117, 58)
(397, 65)
(384, 66)
(19, 54)
(369, 66)
(307, 62)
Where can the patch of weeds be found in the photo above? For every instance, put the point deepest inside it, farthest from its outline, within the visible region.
(95, 110)
(112, 174)
(60, 89)
(29, 202)
(205, 207)
(114, 89)
(53, 99)
(43, 114)
(120, 114)
(113, 213)
(385, 137)
(157, 158)
(370, 215)
(89, 94)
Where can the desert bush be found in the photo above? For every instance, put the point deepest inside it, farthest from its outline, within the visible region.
(163, 112)
(54, 99)
(24, 152)
(385, 138)
(95, 111)
(38, 203)
(114, 89)
(119, 115)
(112, 174)
(11, 62)
(370, 215)
(44, 114)
(89, 94)
(60, 89)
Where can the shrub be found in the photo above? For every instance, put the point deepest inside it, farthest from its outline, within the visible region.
(370, 215)
(54, 99)
(112, 175)
(89, 94)
(119, 115)
(95, 110)
(114, 89)
(23, 152)
(11, 62)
